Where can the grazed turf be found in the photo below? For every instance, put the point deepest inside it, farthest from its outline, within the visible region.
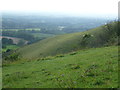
(92, 68)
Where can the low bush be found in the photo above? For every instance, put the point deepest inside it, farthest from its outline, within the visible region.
(108, 35)
(60, 55)
(12, 57)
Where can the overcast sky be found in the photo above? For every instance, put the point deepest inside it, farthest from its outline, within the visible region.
(92, 7)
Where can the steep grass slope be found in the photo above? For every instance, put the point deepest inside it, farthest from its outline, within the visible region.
(104, 35)
(56, 45)
(90, 68)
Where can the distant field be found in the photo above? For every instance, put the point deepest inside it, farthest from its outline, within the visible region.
(12, 47)
(90, 68)
(29, 29)
(37, 35)
(42, 35)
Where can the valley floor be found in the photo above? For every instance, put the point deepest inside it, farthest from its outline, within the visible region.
(90, 68)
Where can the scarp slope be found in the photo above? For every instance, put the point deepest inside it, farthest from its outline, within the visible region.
(55, 45)
(71, 42)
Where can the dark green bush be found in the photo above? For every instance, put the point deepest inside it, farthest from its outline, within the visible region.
(6, 41)
(12, 57)
(60, 55)
(108, 35)
(86, 40)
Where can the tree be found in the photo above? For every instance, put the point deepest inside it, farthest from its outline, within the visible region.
(6, 41)
(86, 40)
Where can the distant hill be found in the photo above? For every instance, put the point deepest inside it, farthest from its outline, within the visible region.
(50, 24)
(104, 35)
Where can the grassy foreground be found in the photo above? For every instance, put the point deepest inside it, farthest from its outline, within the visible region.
(90, 68)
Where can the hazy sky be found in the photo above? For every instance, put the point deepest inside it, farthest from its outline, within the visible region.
(96, 7)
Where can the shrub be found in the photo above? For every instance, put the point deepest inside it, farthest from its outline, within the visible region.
(86, 40)
(60, 55)
(3, 46)
(6, 41)
(8, 50)
(111, 31)
(12, 57)
(106, 36)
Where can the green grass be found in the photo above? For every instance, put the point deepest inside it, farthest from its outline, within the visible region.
(0, 75)
(59, 44)
(12, 47)
(29, 29)
(90, 68)
(42, 35)
(65, 43)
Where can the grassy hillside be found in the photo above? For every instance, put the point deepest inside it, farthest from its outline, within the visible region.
(89, 68)
(12, 47)
(66, 43)
(51, 46)
(42, 35)
(0, 76)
